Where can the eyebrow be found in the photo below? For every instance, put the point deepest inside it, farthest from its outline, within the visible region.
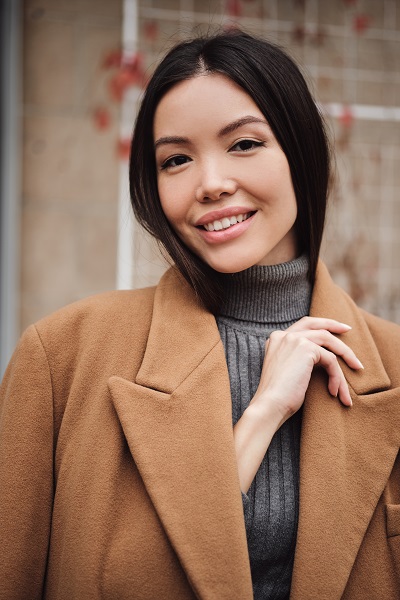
(239, 123)
(171, 139)
(175, 139)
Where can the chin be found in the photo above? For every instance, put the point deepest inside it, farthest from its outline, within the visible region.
(235, 264)
(231, 266)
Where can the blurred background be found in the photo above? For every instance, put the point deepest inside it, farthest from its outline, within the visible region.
(72, 74)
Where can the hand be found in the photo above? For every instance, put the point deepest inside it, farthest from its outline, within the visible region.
(290, 357)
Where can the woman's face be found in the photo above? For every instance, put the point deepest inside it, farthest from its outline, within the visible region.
(224, 182)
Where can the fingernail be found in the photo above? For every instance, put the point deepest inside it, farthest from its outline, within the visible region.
(360, 364)
(347, 326)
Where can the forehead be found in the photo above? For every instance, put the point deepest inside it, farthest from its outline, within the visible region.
(202, 101)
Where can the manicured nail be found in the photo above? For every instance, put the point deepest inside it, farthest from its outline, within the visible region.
(347, 326)
(360, 364)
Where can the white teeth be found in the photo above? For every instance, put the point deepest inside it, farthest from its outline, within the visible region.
(226, 222)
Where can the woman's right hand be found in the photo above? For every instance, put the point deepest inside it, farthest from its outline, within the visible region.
(290, 357)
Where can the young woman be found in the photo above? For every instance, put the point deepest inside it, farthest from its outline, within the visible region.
(217, 436)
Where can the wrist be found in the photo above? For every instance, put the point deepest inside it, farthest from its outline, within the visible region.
(252, 435)
(264, 415)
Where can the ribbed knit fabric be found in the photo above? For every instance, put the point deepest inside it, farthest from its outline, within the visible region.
(258, 301)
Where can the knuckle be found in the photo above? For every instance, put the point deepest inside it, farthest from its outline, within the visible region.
(324, 334)
(308, 321)
(275, 335)
(291, 337)
(331, 357)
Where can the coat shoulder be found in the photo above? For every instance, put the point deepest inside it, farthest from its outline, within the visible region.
(102, 332)
(386, 336)
(383, 331)
(106, 311)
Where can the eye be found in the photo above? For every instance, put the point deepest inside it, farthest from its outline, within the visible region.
(246, 145)
(175, 161)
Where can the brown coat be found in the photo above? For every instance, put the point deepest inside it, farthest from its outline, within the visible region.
(117, 468)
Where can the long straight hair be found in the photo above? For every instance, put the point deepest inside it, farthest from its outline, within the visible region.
(278, 88)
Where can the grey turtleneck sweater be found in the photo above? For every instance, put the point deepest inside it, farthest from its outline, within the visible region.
(258, 301)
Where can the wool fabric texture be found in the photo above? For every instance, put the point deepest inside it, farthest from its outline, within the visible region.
(118, 473)
(258, 301)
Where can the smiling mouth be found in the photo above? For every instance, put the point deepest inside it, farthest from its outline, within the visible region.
(226, 222)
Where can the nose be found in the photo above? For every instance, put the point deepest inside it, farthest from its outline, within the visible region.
(214, 184)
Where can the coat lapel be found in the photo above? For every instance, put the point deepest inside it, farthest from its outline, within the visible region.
(175, 407)
(346, 456)
(177, 419)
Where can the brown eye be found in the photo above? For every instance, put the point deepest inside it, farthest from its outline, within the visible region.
(175, 161)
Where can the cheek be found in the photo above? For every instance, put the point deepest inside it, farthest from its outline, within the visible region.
(284, 187)
(269, 178)
(165, 199)
(171, 204)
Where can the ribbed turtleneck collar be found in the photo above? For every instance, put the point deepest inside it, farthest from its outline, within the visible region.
(268, 294)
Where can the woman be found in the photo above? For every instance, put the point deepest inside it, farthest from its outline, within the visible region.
(121, 473)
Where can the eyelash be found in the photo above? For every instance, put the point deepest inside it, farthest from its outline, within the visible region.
(255, 144)
(168, 163)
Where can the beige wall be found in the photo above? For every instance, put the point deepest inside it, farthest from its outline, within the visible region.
(71, 170)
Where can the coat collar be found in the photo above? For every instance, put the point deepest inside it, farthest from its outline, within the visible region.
(182, 333)
(180, 403)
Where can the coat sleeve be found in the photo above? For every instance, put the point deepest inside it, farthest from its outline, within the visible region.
(26, 470)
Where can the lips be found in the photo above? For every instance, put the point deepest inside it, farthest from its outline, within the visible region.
(226, 222)
(228, 213)
(226, 228)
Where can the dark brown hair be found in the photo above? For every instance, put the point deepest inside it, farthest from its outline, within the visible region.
(277, 86)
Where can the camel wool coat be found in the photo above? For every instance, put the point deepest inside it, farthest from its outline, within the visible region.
(118, 477)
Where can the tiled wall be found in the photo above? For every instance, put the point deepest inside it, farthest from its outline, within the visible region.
(350, 52)
(70, 164)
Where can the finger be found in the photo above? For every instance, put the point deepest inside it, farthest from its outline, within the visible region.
(337, 384)
(344, 393)
(327, 340)
(275, 338)
(319, 323)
